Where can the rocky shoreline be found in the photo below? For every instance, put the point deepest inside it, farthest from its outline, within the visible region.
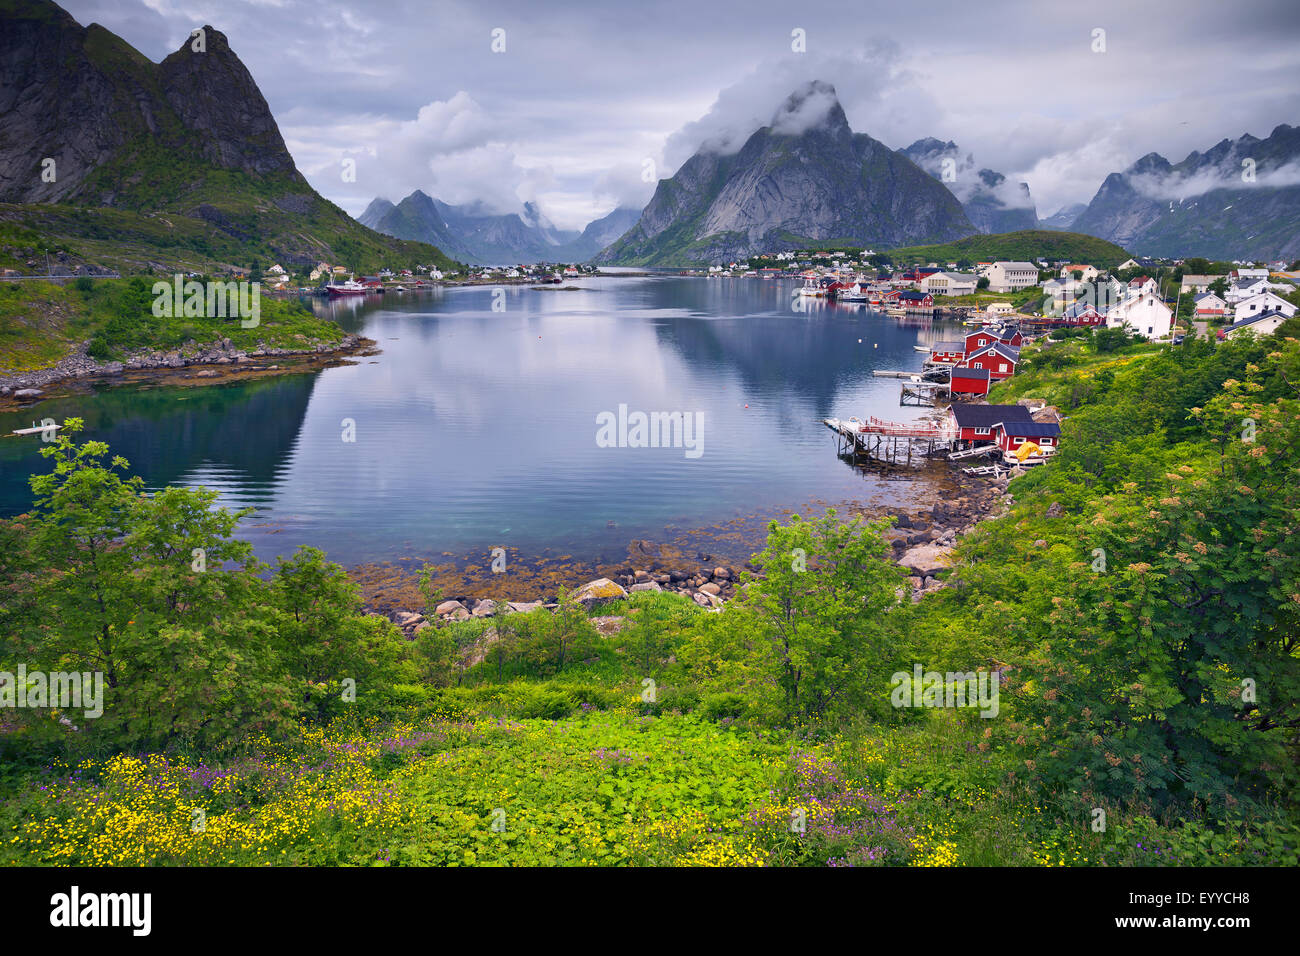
(922, 542)
(219, 357)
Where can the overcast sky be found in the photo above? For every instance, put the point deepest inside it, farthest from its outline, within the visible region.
(587, 99)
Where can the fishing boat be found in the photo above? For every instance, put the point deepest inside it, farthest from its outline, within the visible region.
(350, 287)
(857, 292)
(811, 287)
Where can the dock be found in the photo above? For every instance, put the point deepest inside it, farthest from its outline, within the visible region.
(37, 429)
(895, 443)
(922, 393)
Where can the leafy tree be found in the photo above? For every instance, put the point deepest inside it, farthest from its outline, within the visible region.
(155, 593)
(1173, 676)
(825, 588)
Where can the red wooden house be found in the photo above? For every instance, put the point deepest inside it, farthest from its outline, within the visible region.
(1083, 315)
(999, 359)
(983, 338)
(975, 422)
(1009, 436)
(969, 381)
(915, 300)
(947, 353)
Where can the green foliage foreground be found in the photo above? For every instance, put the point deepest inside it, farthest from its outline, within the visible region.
(1143, 636)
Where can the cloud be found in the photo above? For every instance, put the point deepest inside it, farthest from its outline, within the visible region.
(587, 91)
(1178, 187)
(878, 95)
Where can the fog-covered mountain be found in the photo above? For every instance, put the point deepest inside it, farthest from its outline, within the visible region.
(1238, 200)
(804, 178)
(473, 233)
(991, 202)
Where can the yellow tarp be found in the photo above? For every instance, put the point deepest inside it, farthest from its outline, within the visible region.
(1027, 449)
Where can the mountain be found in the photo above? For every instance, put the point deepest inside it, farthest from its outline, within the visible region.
(991, 203)
(804, 178)
(603, 232)
(1064, 217)
(473, 233)
(1203, 206)
(171, 162)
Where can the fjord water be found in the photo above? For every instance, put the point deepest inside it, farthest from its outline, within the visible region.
(476, 428)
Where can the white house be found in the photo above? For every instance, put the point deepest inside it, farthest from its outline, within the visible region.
(1209, 305)
(1012, 276)
(1250, 273)
(948, 283)
(1142, 285)
(1264, 302)
(1089, 272)
(1265, 323)
(1144, 315)
(435, 273)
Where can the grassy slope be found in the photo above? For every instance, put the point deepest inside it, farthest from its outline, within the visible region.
(1018, 246)
(41, 322)
(254, 228)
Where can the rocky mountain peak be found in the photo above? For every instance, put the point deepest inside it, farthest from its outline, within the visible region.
(812, 106)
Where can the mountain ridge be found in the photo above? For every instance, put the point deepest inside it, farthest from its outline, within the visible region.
(184, 152)
(806, 176)
(1206, 204)
(991, 204)
(473, 234)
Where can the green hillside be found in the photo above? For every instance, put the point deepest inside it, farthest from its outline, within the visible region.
(241, 228)
(1026, 245)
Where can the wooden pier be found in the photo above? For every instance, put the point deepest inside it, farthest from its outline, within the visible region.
(895, 443)
(922, 393)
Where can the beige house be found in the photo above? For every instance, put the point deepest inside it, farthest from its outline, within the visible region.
(1089, 272)
(948, 283)
(1012, 276)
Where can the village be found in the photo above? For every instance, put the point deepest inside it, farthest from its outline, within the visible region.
(957, 374)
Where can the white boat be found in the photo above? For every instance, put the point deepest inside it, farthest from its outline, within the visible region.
(36, 429)
(351, 287)
(921, 348)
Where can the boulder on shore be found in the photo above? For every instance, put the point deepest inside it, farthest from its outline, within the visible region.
(599, 591)
(926, 559)
(452, 609)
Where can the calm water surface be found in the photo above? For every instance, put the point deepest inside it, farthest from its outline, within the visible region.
(476, 429)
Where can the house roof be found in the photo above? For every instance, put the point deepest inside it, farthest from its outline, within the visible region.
(962, 371)
(1078, 309)
(1207, 295)
(910, 295)
(1006, 351)
(948, 347)
(1030, 429)
(986, 416)
(1266, 314)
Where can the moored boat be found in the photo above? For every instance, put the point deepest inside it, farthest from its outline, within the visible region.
(350, 287)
